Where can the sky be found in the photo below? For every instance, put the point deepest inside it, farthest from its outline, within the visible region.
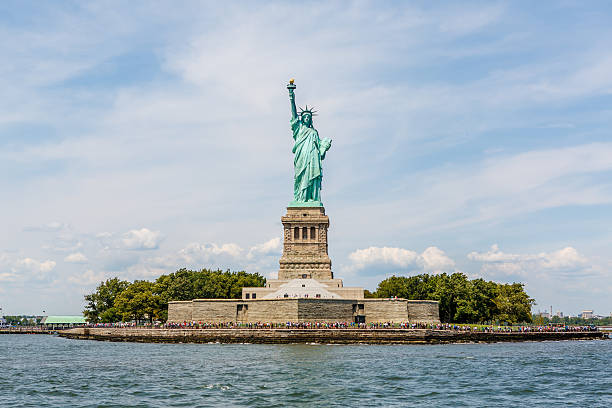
(137, 138)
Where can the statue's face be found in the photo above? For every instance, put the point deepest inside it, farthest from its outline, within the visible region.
(307, 119)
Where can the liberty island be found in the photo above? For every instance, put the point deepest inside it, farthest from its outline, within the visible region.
(306, 303)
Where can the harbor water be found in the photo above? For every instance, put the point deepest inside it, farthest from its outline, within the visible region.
(48, 371)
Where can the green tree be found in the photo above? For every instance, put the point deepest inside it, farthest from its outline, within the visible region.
(368, 295)
(138, 301)
(206, 284)
(392, 287)
(513, 304)
(101, 304)
(186, 284)
(462, 300)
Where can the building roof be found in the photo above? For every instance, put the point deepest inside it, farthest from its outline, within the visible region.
(63, 320)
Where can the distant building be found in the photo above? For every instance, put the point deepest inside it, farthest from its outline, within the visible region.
(63, 321)
(544, 315)
(559, 314)
(587, 314)
(2, 321)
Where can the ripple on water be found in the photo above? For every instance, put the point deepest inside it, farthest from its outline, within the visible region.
(48, 371)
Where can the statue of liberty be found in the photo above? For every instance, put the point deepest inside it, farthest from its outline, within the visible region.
(309, 150)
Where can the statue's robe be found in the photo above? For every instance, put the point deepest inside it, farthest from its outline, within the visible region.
(308, 151)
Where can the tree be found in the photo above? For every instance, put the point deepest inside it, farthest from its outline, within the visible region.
(462, 300)
(138, 301)
(116, 300)
(513, 304)
(185, 284)
(368, 295)
(473, 300)
(101, 304)
(206, 284)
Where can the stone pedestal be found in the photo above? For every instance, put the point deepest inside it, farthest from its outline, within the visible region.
(305, 245)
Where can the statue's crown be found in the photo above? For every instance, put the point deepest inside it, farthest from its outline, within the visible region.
(310, 110)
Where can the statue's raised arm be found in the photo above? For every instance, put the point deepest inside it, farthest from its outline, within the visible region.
(291, 88)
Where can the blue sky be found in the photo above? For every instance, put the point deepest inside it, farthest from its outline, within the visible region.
(139, 138)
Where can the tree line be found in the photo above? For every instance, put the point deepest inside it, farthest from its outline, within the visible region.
(22, 320)
(462, 300)
(573, 320)
(118, 300)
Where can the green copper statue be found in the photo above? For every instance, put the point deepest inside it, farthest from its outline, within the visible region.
(309, 150)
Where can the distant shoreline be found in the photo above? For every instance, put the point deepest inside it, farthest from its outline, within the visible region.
(323, 336)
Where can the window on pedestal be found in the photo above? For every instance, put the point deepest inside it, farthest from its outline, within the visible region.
(296, 233)
(304, 233)
(313, 233)
(247, 296)
(254, 296)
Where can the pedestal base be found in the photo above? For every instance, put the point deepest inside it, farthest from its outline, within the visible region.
(305, 244)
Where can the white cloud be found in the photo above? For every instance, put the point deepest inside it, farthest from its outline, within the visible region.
(494, 255)
(76, 257)
(432, 259)
(5, 266)
(271, 247)
(49, 227)
(147, 270)
(259, 258)
(8, 277)
(33, 266)
(89, 277)
(563, 259)
(500, 187)
(194, 256)
(375, 255)
(141, 239)
(564, 262)
(435, 260)
(203, 252)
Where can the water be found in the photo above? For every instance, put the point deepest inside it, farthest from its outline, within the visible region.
(46, 371)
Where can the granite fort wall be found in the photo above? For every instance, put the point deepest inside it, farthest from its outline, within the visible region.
(272, 311)
(385, 310)
(325, 310)
(214, 311)
(423, 311)
(303, 310)
(180, 311)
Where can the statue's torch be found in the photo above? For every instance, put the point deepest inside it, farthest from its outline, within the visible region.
(291, 86)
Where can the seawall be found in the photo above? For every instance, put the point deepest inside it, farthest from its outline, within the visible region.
(328, 336)
(27, 330)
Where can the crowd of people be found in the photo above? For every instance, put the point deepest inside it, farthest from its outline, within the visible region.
(351, 325)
